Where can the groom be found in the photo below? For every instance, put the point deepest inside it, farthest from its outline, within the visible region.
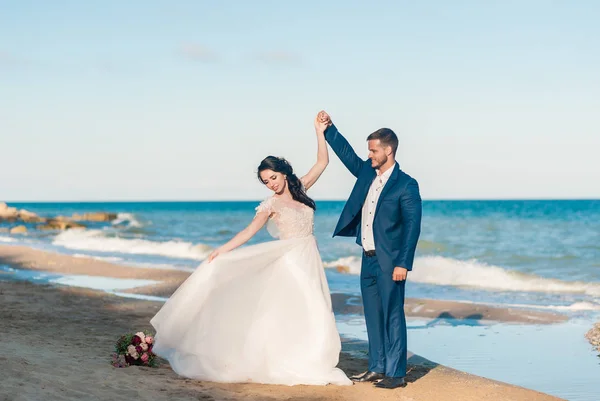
(384, 214)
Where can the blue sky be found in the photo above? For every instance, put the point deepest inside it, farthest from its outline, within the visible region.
(152, 100)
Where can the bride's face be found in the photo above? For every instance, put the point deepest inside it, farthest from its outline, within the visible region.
(274, 181)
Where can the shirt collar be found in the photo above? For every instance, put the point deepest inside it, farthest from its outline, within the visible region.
(386, 175)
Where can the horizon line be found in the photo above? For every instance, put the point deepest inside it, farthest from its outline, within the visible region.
(317, 200)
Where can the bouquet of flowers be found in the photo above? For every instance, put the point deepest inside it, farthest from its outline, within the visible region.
(134, 349)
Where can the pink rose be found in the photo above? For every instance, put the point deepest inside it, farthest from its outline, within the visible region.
(149, 339)
(133, 352)
(144, 357)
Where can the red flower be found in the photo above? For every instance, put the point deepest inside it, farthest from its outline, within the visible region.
(139, 349)
(136, 340)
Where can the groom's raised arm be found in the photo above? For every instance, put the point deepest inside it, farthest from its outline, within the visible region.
(343, 150)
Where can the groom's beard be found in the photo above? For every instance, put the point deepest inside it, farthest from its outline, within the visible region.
(376, 164)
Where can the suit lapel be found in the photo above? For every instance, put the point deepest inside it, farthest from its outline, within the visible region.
(365, 185)
(388, 186)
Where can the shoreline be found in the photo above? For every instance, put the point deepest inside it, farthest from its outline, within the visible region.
(57, 344)
(49, 329)
(22, 257)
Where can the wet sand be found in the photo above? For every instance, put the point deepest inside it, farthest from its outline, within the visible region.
(56, 345)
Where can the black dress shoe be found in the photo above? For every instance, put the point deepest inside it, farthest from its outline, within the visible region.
(391, 382)
(368, 376)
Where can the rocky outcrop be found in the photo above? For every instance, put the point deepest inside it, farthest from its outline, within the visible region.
(29, 217)
(8, 213)
(18, 230)
(97, 216)
(59, 224)
(13, 214)
(62, 218)
(593, 336)
(342, 269)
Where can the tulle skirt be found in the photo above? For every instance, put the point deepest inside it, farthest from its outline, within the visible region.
(260, 313)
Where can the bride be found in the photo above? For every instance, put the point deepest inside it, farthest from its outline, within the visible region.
(261, 313)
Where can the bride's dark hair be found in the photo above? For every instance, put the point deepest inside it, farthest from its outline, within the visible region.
(280, 165)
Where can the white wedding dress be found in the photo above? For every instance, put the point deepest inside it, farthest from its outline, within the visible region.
(260, 313)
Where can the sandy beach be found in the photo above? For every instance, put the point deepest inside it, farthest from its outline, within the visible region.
(57, 340)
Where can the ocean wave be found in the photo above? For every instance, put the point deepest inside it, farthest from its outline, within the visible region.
(348, 264)
(116, 259)
(112, 259)
(7, 239)
(128, 218)
(574, 307)
(440, 270)
(95, 240)
(165, 266)
(577, 306)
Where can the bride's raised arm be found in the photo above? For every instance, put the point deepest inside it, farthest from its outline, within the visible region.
(322, 156)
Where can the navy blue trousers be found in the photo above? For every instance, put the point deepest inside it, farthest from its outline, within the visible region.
(383, 301)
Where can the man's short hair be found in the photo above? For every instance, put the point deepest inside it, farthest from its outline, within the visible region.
(386, 137)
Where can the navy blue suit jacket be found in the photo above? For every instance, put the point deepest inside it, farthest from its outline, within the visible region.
(397, 221)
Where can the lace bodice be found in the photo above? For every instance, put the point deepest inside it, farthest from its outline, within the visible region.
(288, 219)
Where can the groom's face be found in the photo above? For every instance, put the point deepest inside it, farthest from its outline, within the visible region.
(377, 153)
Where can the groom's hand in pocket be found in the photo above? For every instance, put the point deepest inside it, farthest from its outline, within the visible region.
(399, 274)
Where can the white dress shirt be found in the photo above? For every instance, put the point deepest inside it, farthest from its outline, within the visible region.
(368, 210)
